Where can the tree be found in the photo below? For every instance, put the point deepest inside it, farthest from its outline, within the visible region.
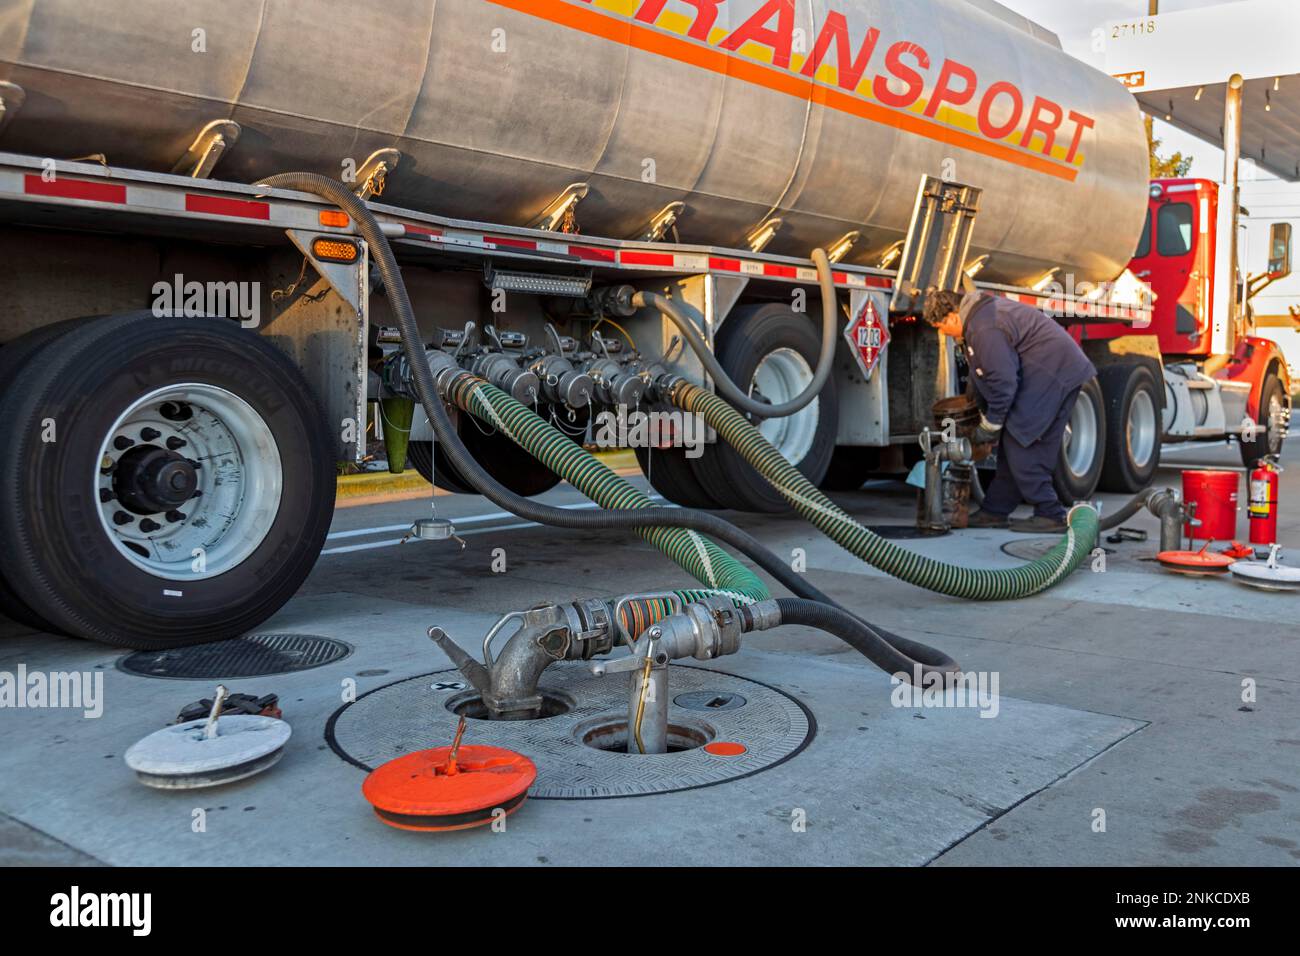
(1175, 166)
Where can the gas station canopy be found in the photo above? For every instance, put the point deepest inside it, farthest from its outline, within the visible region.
(1176, 76)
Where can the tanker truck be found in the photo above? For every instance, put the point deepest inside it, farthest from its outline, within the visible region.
(580, 195)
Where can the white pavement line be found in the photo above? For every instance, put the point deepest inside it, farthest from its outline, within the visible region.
(394, 541)
(470, 519)
(370, 546)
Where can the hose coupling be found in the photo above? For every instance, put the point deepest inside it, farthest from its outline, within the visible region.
(704, 629)
(616, 384)
(397, 378)
(619, 300)
(761, 616)
(504, 372)
(561, 383)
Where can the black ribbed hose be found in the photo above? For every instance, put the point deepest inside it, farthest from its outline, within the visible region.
(895, 656)
(722, 381)
(482, 482)
(1132, 507)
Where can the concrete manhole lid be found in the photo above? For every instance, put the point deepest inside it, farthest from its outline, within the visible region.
(725, 742)
(253, 655)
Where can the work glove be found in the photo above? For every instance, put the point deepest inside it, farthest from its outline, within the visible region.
(987, 433)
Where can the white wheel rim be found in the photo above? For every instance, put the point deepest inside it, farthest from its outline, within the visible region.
(1081, 436)
(1278, 423)
(240, 480)
(1141, 430)
(781, 376)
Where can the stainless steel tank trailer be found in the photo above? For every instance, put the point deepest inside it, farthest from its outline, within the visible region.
(645, 122)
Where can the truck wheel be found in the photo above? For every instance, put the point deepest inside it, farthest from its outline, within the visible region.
(170, 481)
(499, 456)
(507, 462)
(773, 349)
(1273, 422)
(669, 472)
(14, 356)
(1134, 422)
(432, 465)
(1083, 448)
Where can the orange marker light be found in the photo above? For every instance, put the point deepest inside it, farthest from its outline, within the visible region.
(335, 250)
(334, 218)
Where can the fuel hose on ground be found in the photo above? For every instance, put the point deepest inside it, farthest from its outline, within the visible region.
(594, 479)
(464, 463)
(978, 584)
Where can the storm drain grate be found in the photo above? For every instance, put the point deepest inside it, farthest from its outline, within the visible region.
(254, 655)
(750, 727)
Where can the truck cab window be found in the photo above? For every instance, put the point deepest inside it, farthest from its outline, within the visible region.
(1174, 229)
(1144, 244)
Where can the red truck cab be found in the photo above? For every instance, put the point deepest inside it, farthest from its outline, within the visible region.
(1180, 258)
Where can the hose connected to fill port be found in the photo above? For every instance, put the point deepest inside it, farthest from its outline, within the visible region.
(599, 483)
(463, 462)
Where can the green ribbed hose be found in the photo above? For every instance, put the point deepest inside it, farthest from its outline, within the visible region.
(703, 559)
(977, 584)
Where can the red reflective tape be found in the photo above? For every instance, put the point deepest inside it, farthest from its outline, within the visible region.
(782, 272)
(221, 206)
(842, 278)
(875, 282)
(592, 255)
(646, 259)
(75, 189)
(421, 230)
(724, 265)
(511, 243)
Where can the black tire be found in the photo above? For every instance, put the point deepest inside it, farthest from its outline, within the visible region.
(1269, 438)
(669, 472)
(432, 465)
(58, 551)
(850, 467)
(498, 455)
(1134, 426)
(14, 356)
(1079, 484)
(505, 461)
(747, 338)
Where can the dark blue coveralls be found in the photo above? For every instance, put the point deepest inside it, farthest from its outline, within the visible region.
(1028, 372)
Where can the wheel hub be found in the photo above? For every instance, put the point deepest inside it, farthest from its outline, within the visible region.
(1080, 438)
(781, 376)
(149, 479)
(189, 481)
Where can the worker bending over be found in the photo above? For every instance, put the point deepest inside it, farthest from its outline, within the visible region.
(1027, 372)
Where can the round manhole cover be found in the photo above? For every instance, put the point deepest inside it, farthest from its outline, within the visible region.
(254, 655)
(1031, 549)
(572, 748)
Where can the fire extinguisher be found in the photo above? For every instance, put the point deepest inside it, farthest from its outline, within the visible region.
(1263, 502)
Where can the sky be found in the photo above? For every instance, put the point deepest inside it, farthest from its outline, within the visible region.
(1269, 199)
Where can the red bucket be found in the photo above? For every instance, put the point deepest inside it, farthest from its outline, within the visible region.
(1213, 496)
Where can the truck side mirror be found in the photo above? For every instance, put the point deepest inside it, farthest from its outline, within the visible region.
(1279, 250)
